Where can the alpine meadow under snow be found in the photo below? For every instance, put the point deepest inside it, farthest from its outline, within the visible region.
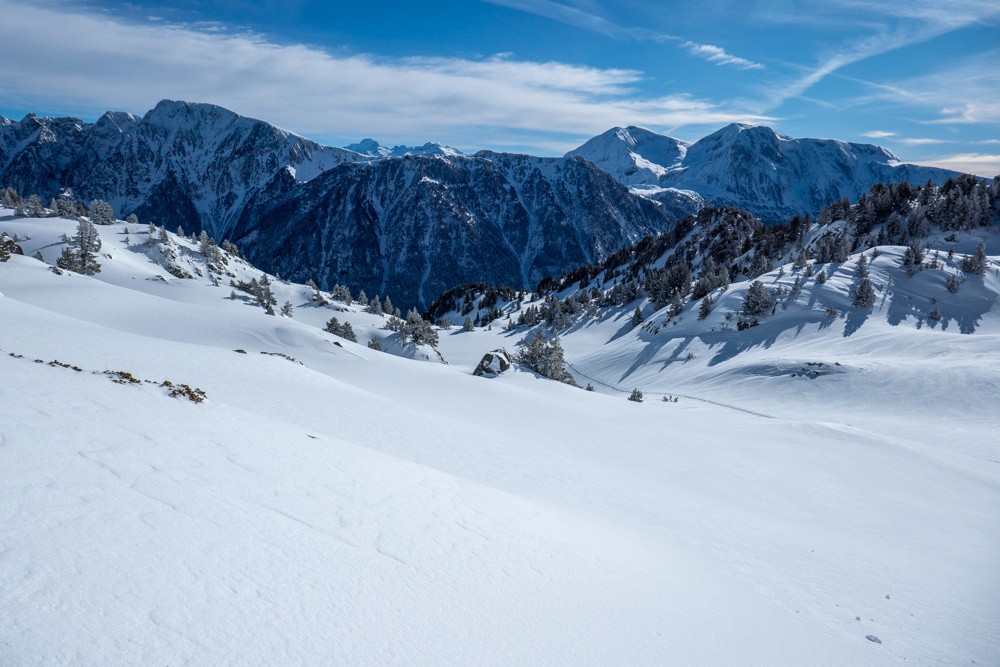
(200, 465)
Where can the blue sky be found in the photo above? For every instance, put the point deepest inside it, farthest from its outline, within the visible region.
(920, 77)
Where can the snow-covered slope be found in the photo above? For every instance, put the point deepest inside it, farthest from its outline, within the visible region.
(824, 492)
(751, 167)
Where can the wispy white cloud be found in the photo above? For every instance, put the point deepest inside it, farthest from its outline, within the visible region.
(465, 102)
(921, 141)
(890, 26)
(959, 92)
(718, 55)
(588, 18)
(878, 134)
(981, 164)
(581, 16)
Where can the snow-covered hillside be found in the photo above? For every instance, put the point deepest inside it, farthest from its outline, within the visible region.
(825, 490)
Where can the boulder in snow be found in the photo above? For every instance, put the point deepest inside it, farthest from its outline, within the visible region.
(493, 363)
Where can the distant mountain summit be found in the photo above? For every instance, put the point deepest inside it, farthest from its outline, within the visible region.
(634, 155)
(751, 167)
(372, 148)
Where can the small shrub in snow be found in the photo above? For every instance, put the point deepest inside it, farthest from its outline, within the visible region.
(193, 394)
(934, 314)
(467, 324)
(635, 396)
(953, 283)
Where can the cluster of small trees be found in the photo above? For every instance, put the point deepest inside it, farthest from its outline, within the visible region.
(545, 357)
(413, 329)
(342, 329)
(262, 293)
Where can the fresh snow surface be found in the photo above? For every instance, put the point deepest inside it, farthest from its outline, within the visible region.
(821, 481)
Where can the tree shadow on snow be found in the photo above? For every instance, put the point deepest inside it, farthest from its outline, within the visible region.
(855, 318)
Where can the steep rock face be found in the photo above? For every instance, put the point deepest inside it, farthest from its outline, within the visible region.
(750, 167)
(36, 153)
(413, 227)
(186, 164)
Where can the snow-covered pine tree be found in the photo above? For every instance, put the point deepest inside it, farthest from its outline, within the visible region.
(676, 304)
(101, 213)
(913, 257)
(265, 297)
(86, 244)
(864, 294)
(861, 270)
(705, 309)
(977, 262)
(758, 300)
(545, 357)
(342, 293)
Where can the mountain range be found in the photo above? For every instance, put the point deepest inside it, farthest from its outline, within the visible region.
(412, 222)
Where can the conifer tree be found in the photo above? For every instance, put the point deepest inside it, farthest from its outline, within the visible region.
(758, 300)
(861, 270)
(705, 309)
(977, 262)
(864, 294)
